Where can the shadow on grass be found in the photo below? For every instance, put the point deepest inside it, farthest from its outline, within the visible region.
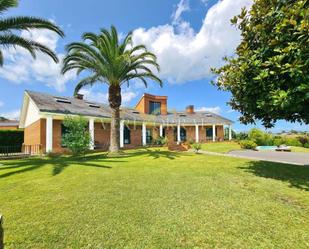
(296, 176)
(60, 163)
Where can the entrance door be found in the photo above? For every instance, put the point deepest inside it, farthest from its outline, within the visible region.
(148, 136)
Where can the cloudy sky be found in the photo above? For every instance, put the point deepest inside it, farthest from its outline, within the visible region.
(188, 36)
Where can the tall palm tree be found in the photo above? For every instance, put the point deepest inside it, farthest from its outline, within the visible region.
(9, 26)
(112, 62)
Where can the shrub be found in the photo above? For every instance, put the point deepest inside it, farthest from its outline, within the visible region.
(303, 140)
(161, 141)
(242, 136)
(76, 137)
(292, 141)
(11, 137)
(196, 147)
(278, 141)
(247, 144)
(260, 137)
(306, 145)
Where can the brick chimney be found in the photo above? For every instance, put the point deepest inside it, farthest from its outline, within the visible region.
(79, 96)
(190, 109)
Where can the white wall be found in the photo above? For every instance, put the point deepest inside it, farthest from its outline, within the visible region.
(32, 113)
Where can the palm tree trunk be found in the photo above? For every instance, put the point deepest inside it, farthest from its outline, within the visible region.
(114, 98)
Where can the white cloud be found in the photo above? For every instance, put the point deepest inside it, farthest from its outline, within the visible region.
(185, 55)
(230, 111)
(100, 97)
(11, 114)
(19, 66)
(181, 7)
(215, 109)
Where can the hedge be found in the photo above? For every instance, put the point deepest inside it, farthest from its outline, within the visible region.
(11, 137)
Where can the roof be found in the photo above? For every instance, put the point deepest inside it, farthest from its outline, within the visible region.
(9, 123)
(70, 105)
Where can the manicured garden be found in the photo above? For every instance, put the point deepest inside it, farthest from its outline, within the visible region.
(153, 199)
(221, 147)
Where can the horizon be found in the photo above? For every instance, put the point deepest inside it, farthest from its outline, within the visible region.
(188, 37)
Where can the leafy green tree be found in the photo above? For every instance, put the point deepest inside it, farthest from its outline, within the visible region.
(9, 26)
(113, 62)
(76, 137)
(269, 75)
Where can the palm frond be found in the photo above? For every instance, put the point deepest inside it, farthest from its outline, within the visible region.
(85, 82)
(7, 4)
(27, 23)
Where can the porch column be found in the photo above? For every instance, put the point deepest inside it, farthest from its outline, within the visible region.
(49, 134)
(178, 134)
(230, 132)
(121, 134)
(213, 133)
(91, 132)
(161, 130)
(144, 134)
(196, 134)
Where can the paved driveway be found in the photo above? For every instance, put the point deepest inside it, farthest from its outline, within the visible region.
(274, 156)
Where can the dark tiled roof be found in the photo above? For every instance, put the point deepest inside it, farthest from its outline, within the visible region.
(9, 123)
(49, 103)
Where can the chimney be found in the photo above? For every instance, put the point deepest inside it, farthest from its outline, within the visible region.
(190, 109)
(79, 96)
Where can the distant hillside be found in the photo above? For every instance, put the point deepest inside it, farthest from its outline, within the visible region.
(3, 119)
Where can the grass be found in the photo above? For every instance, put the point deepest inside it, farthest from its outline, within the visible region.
(299, 149)
(221, 147)
(153, 199)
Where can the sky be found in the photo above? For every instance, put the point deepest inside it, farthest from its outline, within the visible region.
(188, 37)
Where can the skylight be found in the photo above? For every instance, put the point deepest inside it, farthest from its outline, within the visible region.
(208, 115)
(93, 105)
(182, 115)
(62, 100)
(135, 112)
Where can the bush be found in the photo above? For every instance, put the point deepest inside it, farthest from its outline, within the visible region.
(242, 136)
(76, 137)
(303, 140)
(306, 145)
(247, 144)
(260, 137)
(161, 141)
(196, 147)
(11, 137)
(292, 141)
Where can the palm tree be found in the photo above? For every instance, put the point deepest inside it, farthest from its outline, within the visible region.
(112, 62)
(10, 39)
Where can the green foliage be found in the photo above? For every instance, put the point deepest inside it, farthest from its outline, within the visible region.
(269, 75)
(306, 145)
(11, 137)
(247, 144)
(242, 136)
(160, 141)
(293, 141)
(303, 140)
(197, 147)
(77, 137)
(260, 137)
(10, 26)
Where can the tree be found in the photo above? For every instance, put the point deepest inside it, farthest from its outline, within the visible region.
(9, 26)
(76, 136)
(111, 62)
(269, 75)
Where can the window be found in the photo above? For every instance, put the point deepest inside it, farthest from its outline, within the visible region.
(183, 134)
(127, 135)
(154, 108)
(209, 133)
(148, 136)
(64, 130)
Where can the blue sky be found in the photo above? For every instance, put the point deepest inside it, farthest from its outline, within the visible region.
(189, 37)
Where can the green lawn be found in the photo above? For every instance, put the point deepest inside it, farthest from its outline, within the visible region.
(300, 149)
(154, 199)
(221, 147)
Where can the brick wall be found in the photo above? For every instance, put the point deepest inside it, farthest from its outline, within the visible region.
(143, 105)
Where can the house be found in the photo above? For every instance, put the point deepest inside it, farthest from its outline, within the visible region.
(6, 124)
(42, 116)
